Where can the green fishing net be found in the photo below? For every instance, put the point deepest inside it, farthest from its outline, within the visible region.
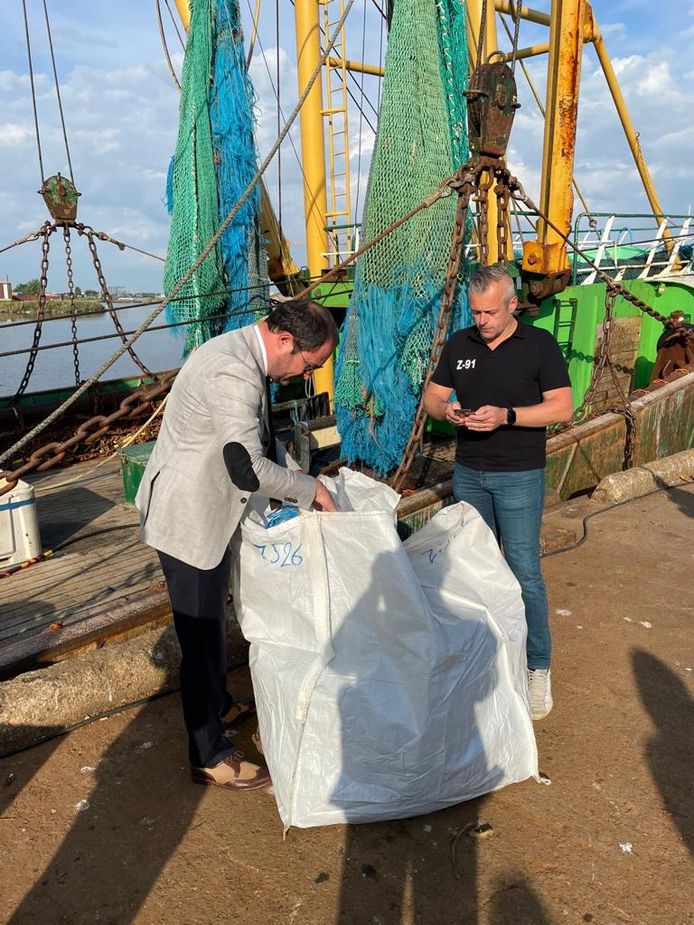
(421, 139)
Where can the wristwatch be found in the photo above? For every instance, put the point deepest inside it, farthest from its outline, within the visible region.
(510, 416)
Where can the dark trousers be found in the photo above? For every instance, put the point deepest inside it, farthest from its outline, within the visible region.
(198, 598)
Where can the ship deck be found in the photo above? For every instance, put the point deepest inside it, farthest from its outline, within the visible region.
(97, 564)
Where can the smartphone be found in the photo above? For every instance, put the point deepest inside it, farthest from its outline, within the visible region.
(462, 412)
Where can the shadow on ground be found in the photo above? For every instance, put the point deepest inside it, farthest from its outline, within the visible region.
(670, 751)
(105, 867)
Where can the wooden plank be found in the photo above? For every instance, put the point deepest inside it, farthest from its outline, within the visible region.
(68, 586)
(97, 626)
(57, 570)
(70, 614)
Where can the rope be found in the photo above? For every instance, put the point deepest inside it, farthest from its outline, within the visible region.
(203, 255)
(57, 91)
(32, 236)
(274, 90)
(480, 45)
(33, 89)
(384, 21)
(125, 308)
(101, 235)
(164, 44)
(100, 337)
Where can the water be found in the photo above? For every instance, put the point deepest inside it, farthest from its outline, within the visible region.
(159, 350)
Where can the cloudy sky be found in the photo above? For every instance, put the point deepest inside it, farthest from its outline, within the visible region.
(121, 112)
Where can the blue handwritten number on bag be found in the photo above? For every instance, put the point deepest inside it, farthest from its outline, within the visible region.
(283, 554)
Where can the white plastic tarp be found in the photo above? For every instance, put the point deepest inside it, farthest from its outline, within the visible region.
(390, 677)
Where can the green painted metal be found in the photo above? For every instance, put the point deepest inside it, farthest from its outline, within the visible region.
(57, 396)
(334, 294)
(575, 315)
(581, 456)
(133, 460)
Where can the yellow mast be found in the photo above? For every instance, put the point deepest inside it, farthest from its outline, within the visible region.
(183, 7)
(572, 23)
(632, 136)
(308, 55)
(547, 255)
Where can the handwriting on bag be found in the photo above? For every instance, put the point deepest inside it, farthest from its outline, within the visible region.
(284, 555)
(434, 552)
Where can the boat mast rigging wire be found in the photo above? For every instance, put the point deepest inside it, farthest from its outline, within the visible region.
(33, 90)
(165, 45)
(107, 364)
(57, 90)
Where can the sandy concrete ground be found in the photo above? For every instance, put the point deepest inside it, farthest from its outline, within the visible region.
(103, 825)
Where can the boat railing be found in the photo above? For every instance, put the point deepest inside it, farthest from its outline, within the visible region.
(625, 245)
(632, 246)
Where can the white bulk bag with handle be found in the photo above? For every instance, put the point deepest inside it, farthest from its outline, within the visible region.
(389, 677)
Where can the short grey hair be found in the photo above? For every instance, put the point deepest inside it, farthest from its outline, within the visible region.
(484, 277)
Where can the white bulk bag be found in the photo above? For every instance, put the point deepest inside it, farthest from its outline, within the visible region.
(390, 678)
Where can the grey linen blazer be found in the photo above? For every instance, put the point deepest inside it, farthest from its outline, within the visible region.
(188, 504)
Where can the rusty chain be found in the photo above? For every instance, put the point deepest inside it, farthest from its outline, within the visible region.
(605, 362)
(71, 297)
(39, 458)
(484, 184)
(44, 232)
(51, 454)
(465, 185)
(106, 296)
(503, 195)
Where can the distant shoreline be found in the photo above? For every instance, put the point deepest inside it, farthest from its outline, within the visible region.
(29, 308)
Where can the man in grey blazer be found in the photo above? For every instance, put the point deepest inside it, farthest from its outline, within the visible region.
(215, 449)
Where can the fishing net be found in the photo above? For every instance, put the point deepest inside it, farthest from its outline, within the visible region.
(214, 162)
(390, 325)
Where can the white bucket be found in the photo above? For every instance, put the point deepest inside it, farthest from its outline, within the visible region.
(19, 525)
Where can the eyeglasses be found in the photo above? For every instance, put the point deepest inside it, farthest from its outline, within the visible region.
(308, 367)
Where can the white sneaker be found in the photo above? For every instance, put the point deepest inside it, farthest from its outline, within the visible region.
(540, 691)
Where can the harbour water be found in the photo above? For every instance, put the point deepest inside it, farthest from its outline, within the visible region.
(159, 350)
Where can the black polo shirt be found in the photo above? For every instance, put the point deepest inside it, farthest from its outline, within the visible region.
(514, 375)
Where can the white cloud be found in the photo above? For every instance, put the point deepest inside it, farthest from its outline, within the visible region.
(613, 29)
(13, 134)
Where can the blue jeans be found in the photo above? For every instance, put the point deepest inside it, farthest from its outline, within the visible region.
(511, 504)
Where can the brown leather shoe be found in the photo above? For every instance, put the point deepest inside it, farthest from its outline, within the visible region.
(228, 774)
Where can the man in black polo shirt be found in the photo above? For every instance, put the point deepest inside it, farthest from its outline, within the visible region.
(510, 380)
